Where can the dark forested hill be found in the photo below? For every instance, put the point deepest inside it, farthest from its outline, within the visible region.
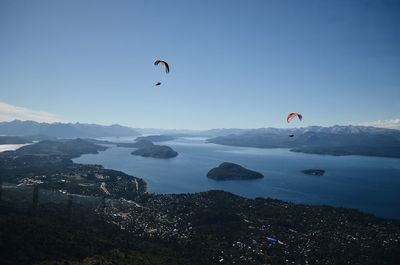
(205, 228)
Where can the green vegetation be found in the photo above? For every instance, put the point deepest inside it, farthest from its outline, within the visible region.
(146, 148)
(49, 164)
(85, 214)
(156, 151)
(230, 171)
(65, 148)
(49, 236)
(201, 228)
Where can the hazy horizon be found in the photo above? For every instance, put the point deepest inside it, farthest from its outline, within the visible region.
(394, 124)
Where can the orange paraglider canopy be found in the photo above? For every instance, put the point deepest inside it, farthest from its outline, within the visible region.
(292, 115)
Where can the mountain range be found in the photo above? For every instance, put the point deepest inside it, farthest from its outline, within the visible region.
(64, 130)
(335, 140)
(336, 129)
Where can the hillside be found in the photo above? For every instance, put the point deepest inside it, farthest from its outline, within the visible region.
(204, 228)
(85, 214)
(336, 140)
(48, 164)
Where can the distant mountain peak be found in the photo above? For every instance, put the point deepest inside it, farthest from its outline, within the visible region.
(64, 130)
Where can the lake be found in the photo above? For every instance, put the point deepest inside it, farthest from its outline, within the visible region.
(370, 184)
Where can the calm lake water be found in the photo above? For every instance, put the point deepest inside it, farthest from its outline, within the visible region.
(370, 184)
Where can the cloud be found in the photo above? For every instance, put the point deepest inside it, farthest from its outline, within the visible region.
(390, 124)
(10, 112)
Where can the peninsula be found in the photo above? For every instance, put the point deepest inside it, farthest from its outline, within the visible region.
(147, 148)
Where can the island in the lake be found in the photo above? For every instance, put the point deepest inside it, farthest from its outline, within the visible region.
(231, 171)
(315, 172)
(148, 149)
(157, 138)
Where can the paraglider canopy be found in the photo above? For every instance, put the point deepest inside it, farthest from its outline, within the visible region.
(164, 64)
(158, 83)
(292, 115)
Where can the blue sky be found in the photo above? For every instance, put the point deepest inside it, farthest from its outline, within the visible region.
(242, 64)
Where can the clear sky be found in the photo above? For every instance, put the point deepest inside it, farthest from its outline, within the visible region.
(242, 64)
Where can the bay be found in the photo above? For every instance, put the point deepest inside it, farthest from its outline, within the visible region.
(370, 184)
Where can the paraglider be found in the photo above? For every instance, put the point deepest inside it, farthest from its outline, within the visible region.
(292, 115)
(164, 64)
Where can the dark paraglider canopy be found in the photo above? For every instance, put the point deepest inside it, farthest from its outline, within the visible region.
(164, 64)
(158, 83)
(292, 115)
(291, 135)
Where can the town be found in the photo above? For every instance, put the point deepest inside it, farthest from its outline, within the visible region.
(213, 227)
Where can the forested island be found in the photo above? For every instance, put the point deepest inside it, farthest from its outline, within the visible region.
(146, 148)
(156, 151)
(156, 138)
(231, 171)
